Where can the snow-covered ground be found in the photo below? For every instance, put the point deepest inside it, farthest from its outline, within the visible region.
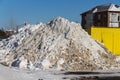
(13, 74)
(7, 73)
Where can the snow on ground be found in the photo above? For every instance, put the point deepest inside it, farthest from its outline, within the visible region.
(7, 73)
(13, 74)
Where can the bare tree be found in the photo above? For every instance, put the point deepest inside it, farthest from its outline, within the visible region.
(12, 23)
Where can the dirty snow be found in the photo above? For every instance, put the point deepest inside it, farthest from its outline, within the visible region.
(59, 45)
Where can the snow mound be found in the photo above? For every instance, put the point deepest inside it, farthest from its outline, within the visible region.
(60, 45)
(13, 41)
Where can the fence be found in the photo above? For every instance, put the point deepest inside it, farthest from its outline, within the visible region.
(110, 37)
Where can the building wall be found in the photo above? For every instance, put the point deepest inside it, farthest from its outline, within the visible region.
(96, 19)
(87, 20)
(83, 22)
(114, 19)
(101, 19)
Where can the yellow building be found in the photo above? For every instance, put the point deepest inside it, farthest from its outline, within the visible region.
(109, 36)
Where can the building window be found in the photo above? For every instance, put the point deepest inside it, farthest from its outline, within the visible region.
(99, 16)
(114, 17)
(105, 16)
(119, 18)
(104, 19)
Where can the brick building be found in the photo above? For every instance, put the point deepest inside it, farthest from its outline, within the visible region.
(107, 15)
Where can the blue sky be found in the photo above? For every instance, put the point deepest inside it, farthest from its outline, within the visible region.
(34, 11)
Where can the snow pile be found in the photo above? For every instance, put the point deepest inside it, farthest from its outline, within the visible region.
(60, 45)
(13, 41)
